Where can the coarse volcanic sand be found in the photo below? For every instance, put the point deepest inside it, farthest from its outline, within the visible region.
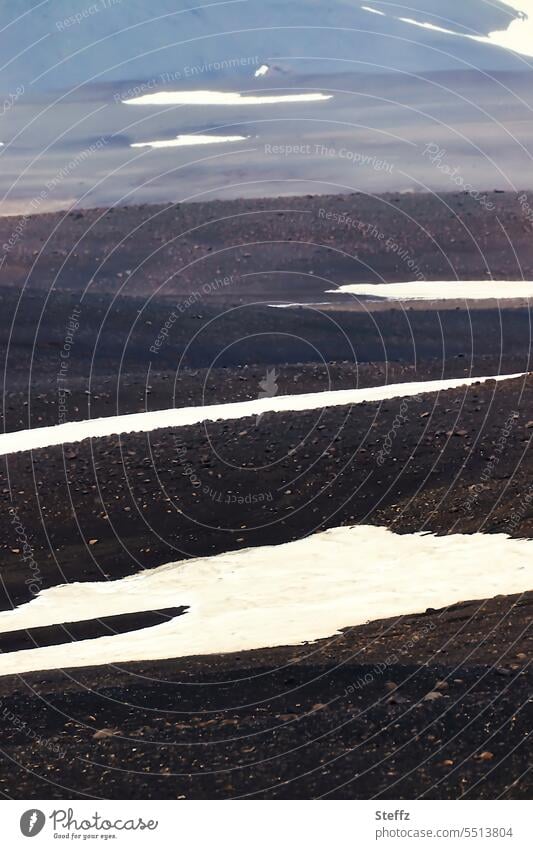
(345, 717)
(430, 706)
(261, 483)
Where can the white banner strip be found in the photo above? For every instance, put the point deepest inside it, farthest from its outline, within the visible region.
(308, 824)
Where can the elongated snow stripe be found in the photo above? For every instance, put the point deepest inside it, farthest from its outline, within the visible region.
(221, 98)
(275, 595)
(44, 437)
(518, 36)
(456, 290)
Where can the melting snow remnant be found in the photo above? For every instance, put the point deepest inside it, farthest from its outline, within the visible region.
(518, 36)
(44, 437)
(275, 595)
(220, 98)
(374, 11)
(189, 140)
(456, 290)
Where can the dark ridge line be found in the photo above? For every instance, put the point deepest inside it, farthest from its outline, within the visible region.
(87, 629)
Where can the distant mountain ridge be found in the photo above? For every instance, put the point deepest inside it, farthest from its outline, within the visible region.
(60, 44)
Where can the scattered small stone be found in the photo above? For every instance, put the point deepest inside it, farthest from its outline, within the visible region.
(433, 696)
(396, 699)
(390, 686)
(93, 541)
(448, 762)
(501, 670)
(441, 685)
(485, 756)
(104, 733)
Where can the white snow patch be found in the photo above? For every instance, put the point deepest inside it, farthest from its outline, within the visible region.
(455, 290)
(68, 432)
(518, 36)
(220, 98)
(188, 140)
(292, 306)
(374, 11)
(275, 595)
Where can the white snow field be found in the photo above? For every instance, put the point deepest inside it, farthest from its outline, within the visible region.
(275, 595)
(454, 290)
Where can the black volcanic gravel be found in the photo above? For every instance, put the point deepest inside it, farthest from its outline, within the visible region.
(146, 499)
(432, 706)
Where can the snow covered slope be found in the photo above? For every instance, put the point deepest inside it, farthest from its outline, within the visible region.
(63, 43)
